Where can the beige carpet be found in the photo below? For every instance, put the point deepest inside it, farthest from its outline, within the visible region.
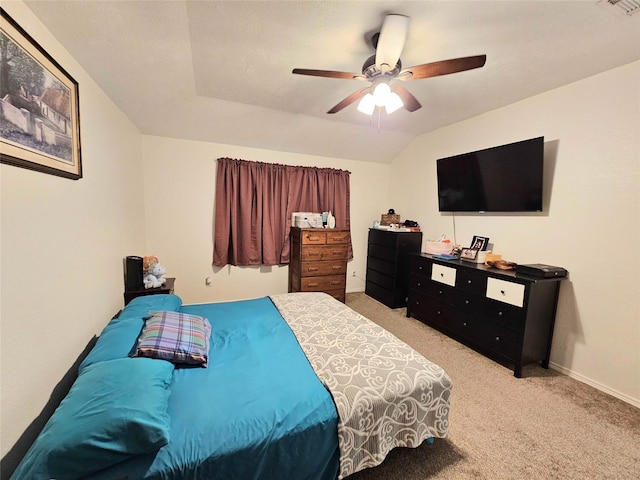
(542, 426)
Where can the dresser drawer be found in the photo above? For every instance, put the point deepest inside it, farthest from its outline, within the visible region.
(329, 267)
(428, 310)
(442, 274)
(321, 284)
(386, 281)
(418, 283)
(308, 237)
(470, 281)
(497, 339)
(470, 303)
(384, 253)
(338, 237)
(503, 313)
(507, 292)
(334, 252)
(386, 296)
(384, 238)
(420, 266)
(382, 266)
(439, 291)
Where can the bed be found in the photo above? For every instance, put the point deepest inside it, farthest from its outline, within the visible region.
(296, 386)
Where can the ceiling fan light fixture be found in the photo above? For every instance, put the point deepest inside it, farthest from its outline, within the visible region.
(381, 94)
(367, 105)
(394, 102)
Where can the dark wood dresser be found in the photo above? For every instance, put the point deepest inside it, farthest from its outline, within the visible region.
(501, 314)
(164, 289)
(319, 261)
(388, 265)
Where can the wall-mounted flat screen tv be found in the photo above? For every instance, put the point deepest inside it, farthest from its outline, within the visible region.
(507, 178)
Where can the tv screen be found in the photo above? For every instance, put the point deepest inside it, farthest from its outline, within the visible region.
(507, 178)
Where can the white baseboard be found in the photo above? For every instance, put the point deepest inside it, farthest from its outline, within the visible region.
(614, 393)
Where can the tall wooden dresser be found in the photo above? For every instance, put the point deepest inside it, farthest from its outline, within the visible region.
(388, 265)
(319, 261)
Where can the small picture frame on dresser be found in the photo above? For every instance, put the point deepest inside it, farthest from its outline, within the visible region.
(479, 243)
(469, 253)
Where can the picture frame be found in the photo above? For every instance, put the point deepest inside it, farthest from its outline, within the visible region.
(480, 243)
(469, 253)
(39, 107)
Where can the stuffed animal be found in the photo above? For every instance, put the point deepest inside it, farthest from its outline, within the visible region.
(153, 273)
(147, 263)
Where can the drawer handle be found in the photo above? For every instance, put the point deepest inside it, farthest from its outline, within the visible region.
(335, 282)
(439, 312)
(469, 282)
(464, 324)
(502, 292)
(466, 302)
(499, 314)
(420, 268)
(312, 269)
(311, 237)
(442, 275)
(497, 339)
(440, 292)
(337, 253)
(336, 267)
(419, 284)
(417, 302)
(314, 254)
(313, 284)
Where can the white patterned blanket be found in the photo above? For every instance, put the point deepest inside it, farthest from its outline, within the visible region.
(387, 394)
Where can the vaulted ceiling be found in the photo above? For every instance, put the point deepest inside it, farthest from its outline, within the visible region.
(220, 71)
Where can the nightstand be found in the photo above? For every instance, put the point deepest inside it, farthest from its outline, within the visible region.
(166, 288)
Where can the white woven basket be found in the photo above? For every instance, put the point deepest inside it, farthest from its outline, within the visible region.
(436, 248)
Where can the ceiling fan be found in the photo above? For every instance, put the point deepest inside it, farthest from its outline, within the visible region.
(384, 68)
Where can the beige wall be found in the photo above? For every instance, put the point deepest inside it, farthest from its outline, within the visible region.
(62, 247)
(179, 194)
(591, 219)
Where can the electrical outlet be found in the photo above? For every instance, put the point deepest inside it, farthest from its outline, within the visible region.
(208, 282)
(354, 273)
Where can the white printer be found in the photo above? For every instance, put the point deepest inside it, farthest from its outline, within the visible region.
(306, 220)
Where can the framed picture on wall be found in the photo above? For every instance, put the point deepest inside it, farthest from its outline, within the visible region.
(39, 107)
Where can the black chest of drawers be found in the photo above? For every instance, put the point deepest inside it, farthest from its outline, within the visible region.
(500, 314)
(388, 265)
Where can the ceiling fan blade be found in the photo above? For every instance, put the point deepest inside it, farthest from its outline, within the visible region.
(354, 97)
(391, 41)
(326, 73)
(410, 102)
(443, 67)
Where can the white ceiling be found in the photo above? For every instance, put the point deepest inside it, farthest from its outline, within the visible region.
(220, 71)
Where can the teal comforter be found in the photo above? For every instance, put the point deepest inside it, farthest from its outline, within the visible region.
(257, 412)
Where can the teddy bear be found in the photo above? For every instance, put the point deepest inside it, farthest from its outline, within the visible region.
(147, 261)
(153, 272)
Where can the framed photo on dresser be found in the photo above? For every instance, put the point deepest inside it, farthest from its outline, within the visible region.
(480, 243)
(469, 253)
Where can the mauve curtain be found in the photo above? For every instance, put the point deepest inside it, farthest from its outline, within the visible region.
(254, 203)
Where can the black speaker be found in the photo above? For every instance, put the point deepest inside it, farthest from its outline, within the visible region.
(133, 273)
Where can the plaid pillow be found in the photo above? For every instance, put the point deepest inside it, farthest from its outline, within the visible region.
(177, 337)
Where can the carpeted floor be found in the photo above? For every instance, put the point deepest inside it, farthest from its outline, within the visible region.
(542, 426)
